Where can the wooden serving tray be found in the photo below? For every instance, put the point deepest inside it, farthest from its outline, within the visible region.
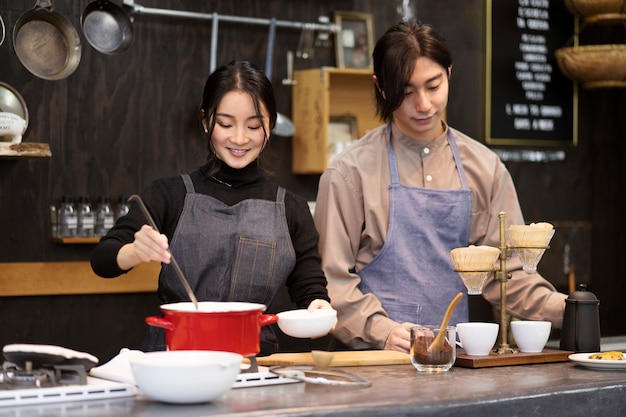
(507, 359)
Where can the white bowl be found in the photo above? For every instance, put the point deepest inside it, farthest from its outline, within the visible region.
(303, 324)
(531, 336)
(185, 376)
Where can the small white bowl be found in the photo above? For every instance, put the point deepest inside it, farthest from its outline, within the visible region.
(185, 376)
(531, 336)
(305, 324)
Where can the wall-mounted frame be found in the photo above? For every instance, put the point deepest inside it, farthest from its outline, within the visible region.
(354, 43)
(529, 102)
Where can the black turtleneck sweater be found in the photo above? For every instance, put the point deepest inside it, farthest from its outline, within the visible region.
(165, 197)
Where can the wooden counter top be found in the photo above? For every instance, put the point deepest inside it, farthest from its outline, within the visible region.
(56, 278)
(545, 390)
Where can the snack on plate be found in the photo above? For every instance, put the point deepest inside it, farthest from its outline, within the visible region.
(608, 356)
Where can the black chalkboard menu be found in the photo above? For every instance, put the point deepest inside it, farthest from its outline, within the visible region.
(529, 101)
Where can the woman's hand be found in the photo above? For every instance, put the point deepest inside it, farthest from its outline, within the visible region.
(149, 245)
(400, 338)
(321, 304)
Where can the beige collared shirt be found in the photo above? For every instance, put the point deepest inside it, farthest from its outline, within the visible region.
(352, 211)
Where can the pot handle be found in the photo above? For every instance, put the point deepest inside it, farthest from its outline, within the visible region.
(160, 322)
(266, 319)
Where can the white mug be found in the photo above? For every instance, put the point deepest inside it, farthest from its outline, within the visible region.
(477, 338)
(531, 336)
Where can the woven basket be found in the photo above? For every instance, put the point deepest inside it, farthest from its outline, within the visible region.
(584, 8)
(594, 66)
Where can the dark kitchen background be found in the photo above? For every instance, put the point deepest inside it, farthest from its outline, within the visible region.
(120, 121)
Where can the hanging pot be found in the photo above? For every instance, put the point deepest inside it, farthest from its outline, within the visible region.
(46, 43)
(107, 27)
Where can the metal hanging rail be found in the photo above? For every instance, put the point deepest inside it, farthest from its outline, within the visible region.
(139, 10)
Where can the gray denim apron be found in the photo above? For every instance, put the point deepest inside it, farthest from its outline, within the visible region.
(230, 253)
(413, 275)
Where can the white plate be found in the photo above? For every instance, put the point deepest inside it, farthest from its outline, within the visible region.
(583, 359)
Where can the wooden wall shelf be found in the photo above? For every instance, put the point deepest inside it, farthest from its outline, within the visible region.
(70, 278)
(76, 240)
(10, 150)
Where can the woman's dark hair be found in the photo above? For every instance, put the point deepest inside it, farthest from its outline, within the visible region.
(394, 59)
(237, 76)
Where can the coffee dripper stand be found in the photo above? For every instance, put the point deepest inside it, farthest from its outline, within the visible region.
(502, 275)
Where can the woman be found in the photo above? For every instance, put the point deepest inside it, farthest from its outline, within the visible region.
(236, 235)
(392, 206)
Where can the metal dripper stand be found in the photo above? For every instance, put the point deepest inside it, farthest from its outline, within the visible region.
(529, 254)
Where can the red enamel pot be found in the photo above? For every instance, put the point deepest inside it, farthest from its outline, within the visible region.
(224, 326)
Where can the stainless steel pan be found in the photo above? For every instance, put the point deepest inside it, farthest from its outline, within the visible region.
(46, 42)
(107, 27)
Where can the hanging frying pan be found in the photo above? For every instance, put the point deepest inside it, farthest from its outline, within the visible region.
(1, 30)
(107, 27)
(46, 42)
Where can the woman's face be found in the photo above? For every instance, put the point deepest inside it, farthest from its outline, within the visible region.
(425, 100)
(238, 137)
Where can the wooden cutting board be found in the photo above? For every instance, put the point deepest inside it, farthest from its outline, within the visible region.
(341, 358)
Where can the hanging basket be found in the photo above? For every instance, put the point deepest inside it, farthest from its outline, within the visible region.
(597, 10)
(594, 66)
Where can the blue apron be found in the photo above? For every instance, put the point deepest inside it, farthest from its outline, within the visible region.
(229, 253)
(413, 275)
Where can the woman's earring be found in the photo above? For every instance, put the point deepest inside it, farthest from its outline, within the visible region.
(206, 130)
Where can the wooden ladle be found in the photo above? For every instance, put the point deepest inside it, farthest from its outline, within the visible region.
(437, 344)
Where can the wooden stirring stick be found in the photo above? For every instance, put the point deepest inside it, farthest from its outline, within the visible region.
(437, 344)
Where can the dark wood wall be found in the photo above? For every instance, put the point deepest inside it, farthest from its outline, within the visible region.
(119, 121)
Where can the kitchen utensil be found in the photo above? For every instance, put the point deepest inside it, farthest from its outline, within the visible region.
(340, 358)
(226, 326)
(11, 101)
(179, 272)
(474, 264)
(46, 43)
(40, 355)
(284, 126)
(437, 344)
(322, 359)
(2, 31)
(307, 324)
(439, 360)
(321, 376)
(185, 377)
(531, 336)
(530, 242)
(581, 322)
(107, 27)
(477, 338)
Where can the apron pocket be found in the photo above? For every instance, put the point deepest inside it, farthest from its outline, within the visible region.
(253, 270)
(402, 312)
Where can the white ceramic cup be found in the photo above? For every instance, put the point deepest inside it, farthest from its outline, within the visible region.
(531, 336)
(477, 338)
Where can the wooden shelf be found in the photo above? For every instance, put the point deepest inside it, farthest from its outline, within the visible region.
(319, 94)
(76, 240)
(24, 150)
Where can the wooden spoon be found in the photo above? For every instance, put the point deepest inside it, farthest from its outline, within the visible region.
(437, 344)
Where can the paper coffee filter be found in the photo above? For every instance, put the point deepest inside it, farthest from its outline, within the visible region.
(534, 234)
(474, 258)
